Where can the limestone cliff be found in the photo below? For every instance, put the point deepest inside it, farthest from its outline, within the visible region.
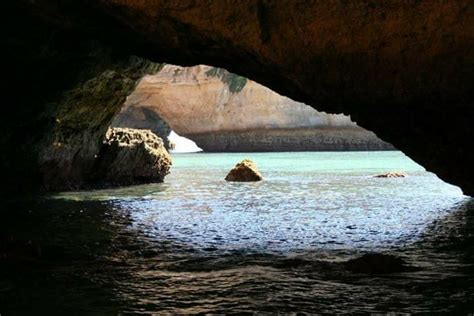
(222, 111)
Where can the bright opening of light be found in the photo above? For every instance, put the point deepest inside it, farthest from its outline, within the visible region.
(182, 144)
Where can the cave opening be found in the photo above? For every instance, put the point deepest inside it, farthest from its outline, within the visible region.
(361, 200)
(317, 214)
(319, 234)
(225, 112)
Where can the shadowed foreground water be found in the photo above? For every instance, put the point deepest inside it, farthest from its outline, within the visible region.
(197, 244)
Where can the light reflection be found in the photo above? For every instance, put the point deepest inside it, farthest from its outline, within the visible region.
(334, 204)
(182, 144)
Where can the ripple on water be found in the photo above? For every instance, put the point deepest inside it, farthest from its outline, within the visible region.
(199, 244)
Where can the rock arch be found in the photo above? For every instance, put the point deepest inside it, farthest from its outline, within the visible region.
(224, 112)
(401, 69)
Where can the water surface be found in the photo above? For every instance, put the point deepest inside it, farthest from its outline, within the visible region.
(197, 243)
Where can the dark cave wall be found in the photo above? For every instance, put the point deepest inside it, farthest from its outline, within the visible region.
(64, 87)
(68, 153)
(403, 69)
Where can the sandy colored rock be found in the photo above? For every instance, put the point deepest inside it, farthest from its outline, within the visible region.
(391, 175)
(132, 156)
(224, 112)
(244, 171)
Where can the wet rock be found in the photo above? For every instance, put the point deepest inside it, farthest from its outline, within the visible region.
(132, 156)
(391, 175)
(244, 171)
(376, 263)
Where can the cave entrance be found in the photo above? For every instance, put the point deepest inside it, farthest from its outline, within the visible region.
(221, 112)
(199, 244)
(224, 112)
(180, 144)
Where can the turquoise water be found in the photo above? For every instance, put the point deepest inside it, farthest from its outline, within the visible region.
(197, 243)
(329, 200)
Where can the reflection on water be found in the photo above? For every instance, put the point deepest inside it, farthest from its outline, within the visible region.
(198, 244)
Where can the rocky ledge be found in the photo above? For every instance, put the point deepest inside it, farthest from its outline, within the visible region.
(295, 139)
(131, 156)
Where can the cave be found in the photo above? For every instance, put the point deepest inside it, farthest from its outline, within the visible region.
(403, 70)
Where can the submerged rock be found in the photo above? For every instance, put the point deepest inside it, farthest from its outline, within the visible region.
(132, 156)
(244, 171)
(391, 175)
(377, 263)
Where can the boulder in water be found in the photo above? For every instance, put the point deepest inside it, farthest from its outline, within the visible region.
(132, 156)
(244, 171)
(391, 175)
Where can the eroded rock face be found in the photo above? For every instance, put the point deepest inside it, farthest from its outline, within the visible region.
(67, 154)
(141, 117)
(244, 171)
(60, 113)
(403, 69)
(222, 111)
(131, 156)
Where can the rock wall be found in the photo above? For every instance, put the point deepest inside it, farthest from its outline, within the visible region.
(64, 88)
(310, 139)
(222, 111)
(403, 69)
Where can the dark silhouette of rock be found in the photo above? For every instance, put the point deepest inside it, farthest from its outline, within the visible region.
(377, 263)
(244, 171)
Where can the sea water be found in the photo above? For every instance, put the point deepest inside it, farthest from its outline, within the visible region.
(197, 244)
